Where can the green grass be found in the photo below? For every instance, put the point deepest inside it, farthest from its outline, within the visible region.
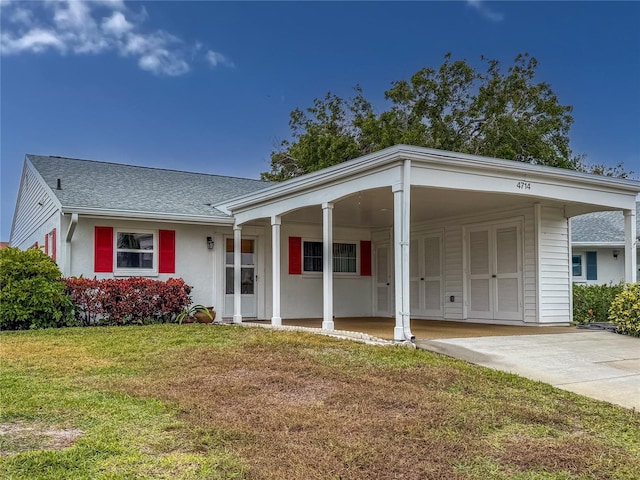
(203, 402)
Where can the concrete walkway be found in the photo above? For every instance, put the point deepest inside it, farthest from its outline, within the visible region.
(600, 365)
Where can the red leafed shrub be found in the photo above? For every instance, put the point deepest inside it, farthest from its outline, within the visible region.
(126, 301)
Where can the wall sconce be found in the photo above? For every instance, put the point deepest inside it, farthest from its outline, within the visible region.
(616, 253)
(210, 243)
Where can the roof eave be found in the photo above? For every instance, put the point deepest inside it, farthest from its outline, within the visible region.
(142, 215)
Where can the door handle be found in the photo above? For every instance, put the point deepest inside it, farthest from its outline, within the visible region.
(387, 284)
(493, 276)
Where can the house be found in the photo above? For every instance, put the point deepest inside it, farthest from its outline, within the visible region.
(408, 233)
(597, 243)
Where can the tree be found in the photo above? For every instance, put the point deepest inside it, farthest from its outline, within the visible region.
(506, 115)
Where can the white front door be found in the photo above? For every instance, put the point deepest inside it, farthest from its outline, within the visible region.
(494, 272)
(248, 278)
(383, 299)
(425, 276)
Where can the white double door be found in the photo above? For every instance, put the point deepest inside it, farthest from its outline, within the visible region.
(494, 271)
(425, 276)
(248, 277)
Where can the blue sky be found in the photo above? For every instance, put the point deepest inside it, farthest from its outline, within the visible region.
(208, 86)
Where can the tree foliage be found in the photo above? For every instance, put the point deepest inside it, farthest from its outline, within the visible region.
(31, 291)
(456, 107)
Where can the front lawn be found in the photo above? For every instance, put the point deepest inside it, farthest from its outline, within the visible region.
(203, 402)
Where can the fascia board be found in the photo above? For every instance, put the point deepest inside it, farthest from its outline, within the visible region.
(141, 215)
(597, 244)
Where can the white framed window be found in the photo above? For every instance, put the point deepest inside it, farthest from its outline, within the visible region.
(344, 257)
(136, 252)
(576, 266)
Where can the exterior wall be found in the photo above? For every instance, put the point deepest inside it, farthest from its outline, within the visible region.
(610, 269)
(36, 212)
(301, 295)
(197, 265)
(554, 268)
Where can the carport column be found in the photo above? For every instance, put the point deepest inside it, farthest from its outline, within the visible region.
(406, 236)
(327, 266)
(275, 267)
(398, 331)
(630, 254)
(237, 274)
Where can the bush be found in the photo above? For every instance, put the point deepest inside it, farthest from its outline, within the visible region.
(32, 294)
(625, 310)
(591, 302)
(127, 301)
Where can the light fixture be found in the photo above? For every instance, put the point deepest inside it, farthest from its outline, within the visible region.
(210, 243)
(616, 253)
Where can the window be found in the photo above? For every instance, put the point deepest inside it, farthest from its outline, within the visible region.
(135, 250)
(344, 257)
(576, 265)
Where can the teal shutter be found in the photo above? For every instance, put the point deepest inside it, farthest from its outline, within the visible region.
(592, 265)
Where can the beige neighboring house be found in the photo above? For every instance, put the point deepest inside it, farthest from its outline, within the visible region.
(408, 233)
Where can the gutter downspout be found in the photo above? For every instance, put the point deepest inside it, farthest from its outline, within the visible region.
(67, 244)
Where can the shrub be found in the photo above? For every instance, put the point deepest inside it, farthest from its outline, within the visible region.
(32, 294)
(591, 302)
(127, 301)
(625, 310)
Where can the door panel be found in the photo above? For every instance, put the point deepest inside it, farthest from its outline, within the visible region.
(383, 280)
(494, 272)
(249, 304)
(425, 275)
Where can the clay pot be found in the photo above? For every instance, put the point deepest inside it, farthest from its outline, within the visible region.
(202, 317)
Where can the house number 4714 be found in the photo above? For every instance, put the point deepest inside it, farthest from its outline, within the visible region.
(524, 185)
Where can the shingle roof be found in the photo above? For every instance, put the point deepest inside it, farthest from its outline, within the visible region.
(601, 227)
(118, 187)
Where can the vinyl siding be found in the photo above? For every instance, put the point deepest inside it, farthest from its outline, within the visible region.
(555, 305)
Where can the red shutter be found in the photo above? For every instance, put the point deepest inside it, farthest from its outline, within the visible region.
(295, 255)
(167, 247)
(53, 244)
(365, 258)
(103, 249)
(46, 243)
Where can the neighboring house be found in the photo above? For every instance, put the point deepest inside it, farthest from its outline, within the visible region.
(405, 232)
(598, 247)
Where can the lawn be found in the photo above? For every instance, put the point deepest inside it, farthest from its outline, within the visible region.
(207, 402)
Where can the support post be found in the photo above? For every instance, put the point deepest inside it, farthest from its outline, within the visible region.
(237, 274)
(406, 241)
(276, 320)
(327, 266)
(398, 331)
(630, 253)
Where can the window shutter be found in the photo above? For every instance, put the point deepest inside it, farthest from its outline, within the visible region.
(103, 249)
(365, 258)
(592, 265)
(46, 243)
(53, 244)
(295, 255)
(167, 255)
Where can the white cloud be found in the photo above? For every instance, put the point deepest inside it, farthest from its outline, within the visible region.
(92, 27)
(485, 11)
(215, 59)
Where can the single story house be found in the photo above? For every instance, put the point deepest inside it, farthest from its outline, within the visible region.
(406, 232)
(598, 247)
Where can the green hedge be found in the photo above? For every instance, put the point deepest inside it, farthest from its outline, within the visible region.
(591, 302)
(32, 294)
(625, 310)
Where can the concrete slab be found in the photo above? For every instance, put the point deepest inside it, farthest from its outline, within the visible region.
(598, 364)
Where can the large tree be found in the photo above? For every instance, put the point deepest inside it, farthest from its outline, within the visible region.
(456, 107)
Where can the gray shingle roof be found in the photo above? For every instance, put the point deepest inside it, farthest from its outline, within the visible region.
(601, 227)
(118, 187)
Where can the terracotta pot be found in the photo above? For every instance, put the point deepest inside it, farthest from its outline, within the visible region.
(202, 317)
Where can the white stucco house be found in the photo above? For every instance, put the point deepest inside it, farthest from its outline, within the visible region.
(408, 233)
(598, 247)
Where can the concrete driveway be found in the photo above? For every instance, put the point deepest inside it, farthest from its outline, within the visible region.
(600, 365)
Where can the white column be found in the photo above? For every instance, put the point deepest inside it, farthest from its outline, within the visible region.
(406, 236)
(237, 274)
(327, 266)
(398, 331)
(630, 254)
(275, 268)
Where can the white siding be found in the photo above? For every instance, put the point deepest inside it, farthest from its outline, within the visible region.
(36, 212)
(553, 258)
